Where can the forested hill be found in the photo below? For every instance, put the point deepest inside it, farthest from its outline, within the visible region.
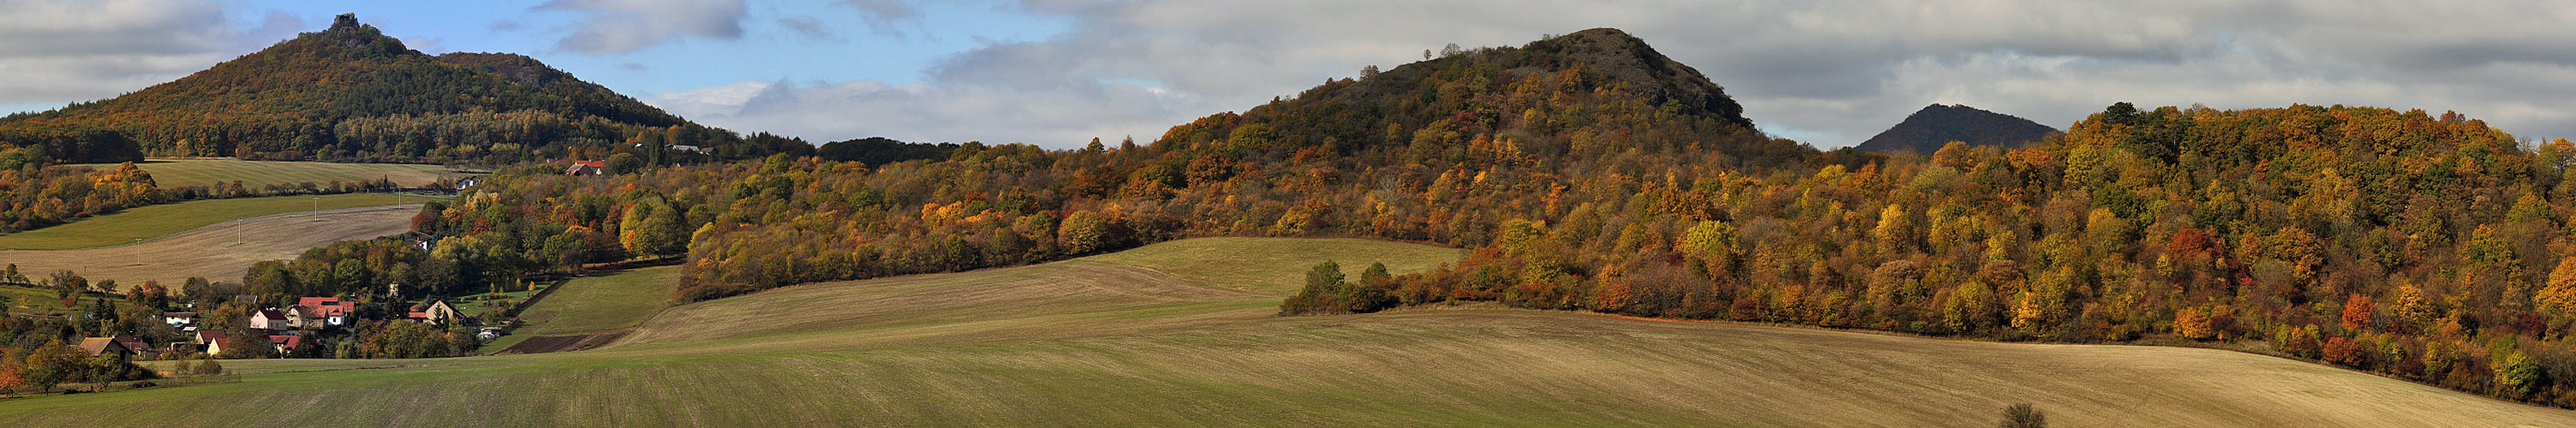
(1568, 98)
(2426, 247)
(1928, 129)
(351, 93)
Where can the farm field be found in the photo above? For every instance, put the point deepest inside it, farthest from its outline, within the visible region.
(215, 248)
(155, 221)
(602, 303)
(595, 304)
(254, 175)
(1102, 341)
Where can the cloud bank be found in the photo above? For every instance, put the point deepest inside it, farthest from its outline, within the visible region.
(1831, 73)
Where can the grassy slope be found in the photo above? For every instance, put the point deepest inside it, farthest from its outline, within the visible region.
(1094, 343)
(157, 220)
(33, 301)
(595, 304)
(603, 303)
(172, 173)
(1274, 265)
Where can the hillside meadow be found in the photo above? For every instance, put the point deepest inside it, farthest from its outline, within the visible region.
(603, 302)
(255, 175)
(156, 221)
(1102, 341)
(217, 251)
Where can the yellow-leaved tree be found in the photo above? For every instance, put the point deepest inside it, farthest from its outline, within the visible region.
(2558, 299)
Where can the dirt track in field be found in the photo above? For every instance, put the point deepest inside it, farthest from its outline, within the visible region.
(219, 252)
(563, 343)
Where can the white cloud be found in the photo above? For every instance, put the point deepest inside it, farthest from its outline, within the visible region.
(1832, 72)
(614, 26)
(824, 112)
(57, 51)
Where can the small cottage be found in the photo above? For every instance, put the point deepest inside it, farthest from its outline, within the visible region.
(435, 312)
(95, 346)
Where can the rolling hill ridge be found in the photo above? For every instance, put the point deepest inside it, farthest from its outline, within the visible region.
(1928, 129)
(351, 93)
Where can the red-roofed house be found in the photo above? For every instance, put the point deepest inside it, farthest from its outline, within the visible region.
(321, 312)
(586, 168)
(285, 342)
(212, 341)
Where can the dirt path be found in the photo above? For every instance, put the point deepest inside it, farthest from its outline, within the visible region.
(219, 252)
(563, 343)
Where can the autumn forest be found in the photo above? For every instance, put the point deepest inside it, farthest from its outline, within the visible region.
(1583, 172)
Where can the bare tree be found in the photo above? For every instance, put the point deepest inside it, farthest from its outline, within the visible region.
(2022, 415)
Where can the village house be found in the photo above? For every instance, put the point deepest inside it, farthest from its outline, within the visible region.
(94, 346)
(435, 312)
(285, 342)
(135, 345)
(321, 312)
(212, 342)
(271, 319)
(583, 168)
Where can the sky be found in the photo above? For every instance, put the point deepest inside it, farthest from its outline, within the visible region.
(1057, 73)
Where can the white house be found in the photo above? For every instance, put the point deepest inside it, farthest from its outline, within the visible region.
(270, 319)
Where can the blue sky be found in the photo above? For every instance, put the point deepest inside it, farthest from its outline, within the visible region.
(847, 47)
(1059, 72)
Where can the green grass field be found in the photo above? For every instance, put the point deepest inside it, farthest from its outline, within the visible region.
(593, 304)
(1099, 342)
(602, 303)
(173, 173)
(157, 220)
(1274, 265)
(33, 301)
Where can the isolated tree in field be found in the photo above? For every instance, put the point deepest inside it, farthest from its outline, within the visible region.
(68, 286)
(1374, 291)
(1324, 292)
(2022, 415)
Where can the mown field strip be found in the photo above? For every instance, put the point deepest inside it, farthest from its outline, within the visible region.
(156, 221)
(256, 175)
(219, 251)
